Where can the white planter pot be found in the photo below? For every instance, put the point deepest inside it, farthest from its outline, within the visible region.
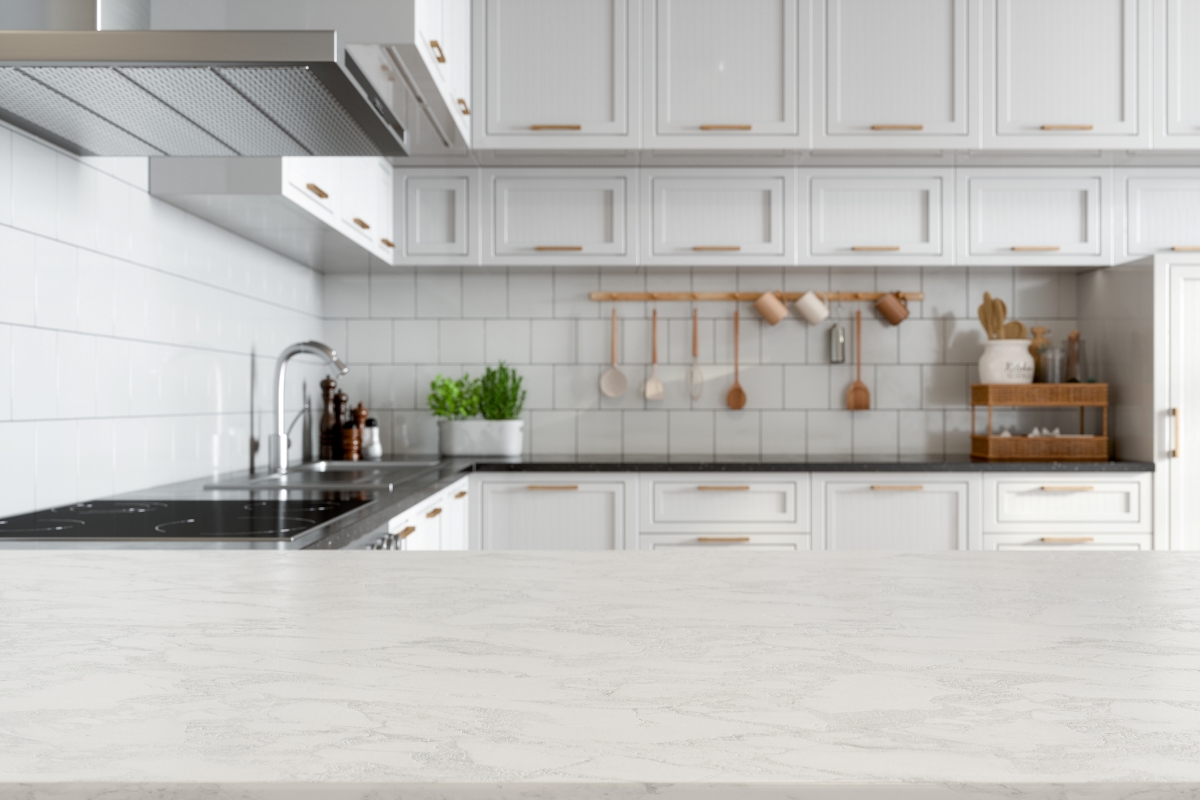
(1006, 361)
(481, 437)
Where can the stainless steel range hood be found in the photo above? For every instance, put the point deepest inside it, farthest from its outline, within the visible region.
(194, 93)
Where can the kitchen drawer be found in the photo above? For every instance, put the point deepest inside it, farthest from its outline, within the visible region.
(896, 511)
(771, 541)
(1053, 503)
(1077, 543)
(724, 503)
(419, 528)
(1160, 210)
(555, 511)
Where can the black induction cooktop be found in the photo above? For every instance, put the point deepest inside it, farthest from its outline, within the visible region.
(176, 520)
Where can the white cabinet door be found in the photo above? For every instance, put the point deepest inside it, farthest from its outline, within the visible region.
(860, 216)
(1052, 503)
(896, 511)
(384, 240)
(1183, 445)
(724, 503)
(556, 75)
(455, 503)
(439, 214)
(769, 542)
(895, 75)
(1161, 208)
(363, 203)
(725, 73)
(1035, 216)
(1066, 73)
(421, 529)
(719, 216)
(313, 184)
(555, 512)
(1176, 74)
(1081, 543)
(561, 216)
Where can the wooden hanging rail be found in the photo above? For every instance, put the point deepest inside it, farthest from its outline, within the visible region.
(787, 297)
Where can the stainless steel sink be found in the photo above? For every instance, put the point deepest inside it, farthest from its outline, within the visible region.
(334, 476)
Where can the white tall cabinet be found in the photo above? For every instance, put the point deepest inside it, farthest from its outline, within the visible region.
(1182, 423)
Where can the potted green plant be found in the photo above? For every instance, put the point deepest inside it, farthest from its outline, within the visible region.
(480, 417)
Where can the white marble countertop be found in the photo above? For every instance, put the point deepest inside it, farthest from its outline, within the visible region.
(598, 675)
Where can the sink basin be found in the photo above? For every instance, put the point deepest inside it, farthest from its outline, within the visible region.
(334, 476)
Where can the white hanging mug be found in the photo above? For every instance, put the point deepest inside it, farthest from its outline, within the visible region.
(812, 308)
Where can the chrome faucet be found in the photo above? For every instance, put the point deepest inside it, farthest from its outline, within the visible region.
(278, 447)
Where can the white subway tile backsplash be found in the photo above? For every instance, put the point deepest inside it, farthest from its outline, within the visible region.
(553, 341)
(115, 223)
(945, 292)
(414, 432)
(538, 383)
(577, 387)
(77, 383)
(485, 295)
(531, 294)
(57, 285)
(571, 290)
(806, 387)
(897, 387)
(18, 276)
(34, 186)
(6, 373)
(875, 433)
(783, 433)
(595, 340)
(692, 433)
(18, 441)
(507, 340)
(77, 202)
(35, 373)
(830, 433)
(645, 433)
(785, 342)
(370, 341)
(56, 462)
(736, 433)
(598, 432)
(416, 341)
(393, 387)
(439, 293)
(461, 340)
(6, 137)
(944, 386)
(921, 341)
(96, 457)
(347, 295)
(553, 433)
(391, 295)
(922, 433)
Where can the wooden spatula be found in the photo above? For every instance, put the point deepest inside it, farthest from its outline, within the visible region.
(858, 396)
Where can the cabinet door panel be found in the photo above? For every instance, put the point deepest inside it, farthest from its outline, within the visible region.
(719, 63)
(898, 511)
(765, 542)
(1161, 213)
(1184, 464)
(890, 65)
(740, 504)
(880, 219)
(1081, 543)
(553, 515)
(1180, 88)
(436, 217)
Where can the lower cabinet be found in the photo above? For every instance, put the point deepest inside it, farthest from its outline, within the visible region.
(555, 511)
(896, 511)
(1080, 543)
(439, 523)
(771, 541)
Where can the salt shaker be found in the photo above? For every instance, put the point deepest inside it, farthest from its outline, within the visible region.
(372, 446)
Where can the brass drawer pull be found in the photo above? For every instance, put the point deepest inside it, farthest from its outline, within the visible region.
(1068, 488)
(407, 532)
(722, 539)
(1035, 248)
(1186, 248)
(888, 487)
(723, 488)
(713, 248)
(1177, 416)
(558, 248)
(317, 190)
(463, 105)
(358, 221)
(563, 488)
(897, 127)
(433, 513)
(1068, 539)
(433, 45)
(726, 127)
(460, 495)
(1067, 127)
(388, 242)
(555, 127)
(875, 248)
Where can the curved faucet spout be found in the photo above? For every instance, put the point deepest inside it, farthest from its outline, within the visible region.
(278, 449)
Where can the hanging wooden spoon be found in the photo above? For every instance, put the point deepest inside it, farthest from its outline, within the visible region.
(858, 396)
(655, 390)
(736, 399)
(613, 382)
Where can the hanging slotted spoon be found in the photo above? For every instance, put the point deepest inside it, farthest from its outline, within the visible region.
(613, 382)
(695, 378)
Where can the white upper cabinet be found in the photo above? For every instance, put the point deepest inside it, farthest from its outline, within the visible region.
(727, 73)
(1066, 74)
(865, 216)
(1161, 211)
(719, 216)
(557, 75)
(559, 216)
(895, 75)
(1176, 74)
(439, 211)
(1037, 216)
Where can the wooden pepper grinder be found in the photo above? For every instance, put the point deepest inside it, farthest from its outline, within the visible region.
(352, 434)
(340, 401)
(331, 428)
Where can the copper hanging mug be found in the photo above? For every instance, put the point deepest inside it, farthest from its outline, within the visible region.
(893, 308)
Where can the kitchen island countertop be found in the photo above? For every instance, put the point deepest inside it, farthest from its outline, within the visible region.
(599, 675)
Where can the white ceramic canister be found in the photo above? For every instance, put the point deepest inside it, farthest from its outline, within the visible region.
(1006, 361)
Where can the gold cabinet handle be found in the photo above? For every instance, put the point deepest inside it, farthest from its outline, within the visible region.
(317, 190)
(1068, 539)
(407, 532)
(433, 513)
(388, 242)
(1035, 248)
(713, 248)
(722, 539)
(1068, 488)
(897, 127)
(726, 127)
(460, 495)
(1067, 127)
(875, 248)
(358, 221)
(463, 105)
(437, 48)
(888, 487)
(1186, 248)
(1176, 415)
(555, 127)
(723, 488)
(561, 488)
(558, 248)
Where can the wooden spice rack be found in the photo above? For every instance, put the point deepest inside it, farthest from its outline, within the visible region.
(987, 447)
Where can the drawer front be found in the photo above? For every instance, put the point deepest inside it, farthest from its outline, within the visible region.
(1161, 214)
(1080, 543)
(871, 218)
(915, 512)
(742, 504)
(552, 513)
(782, 542)
(1056, 504)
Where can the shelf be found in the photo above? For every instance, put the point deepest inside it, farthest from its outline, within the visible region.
(1040, 395)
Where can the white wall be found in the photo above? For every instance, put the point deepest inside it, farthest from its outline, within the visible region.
(127, 331)
(402, 327)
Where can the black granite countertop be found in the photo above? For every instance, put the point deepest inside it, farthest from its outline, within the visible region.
(793, 463)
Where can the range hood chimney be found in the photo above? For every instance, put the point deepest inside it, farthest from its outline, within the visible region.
(88, 76)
